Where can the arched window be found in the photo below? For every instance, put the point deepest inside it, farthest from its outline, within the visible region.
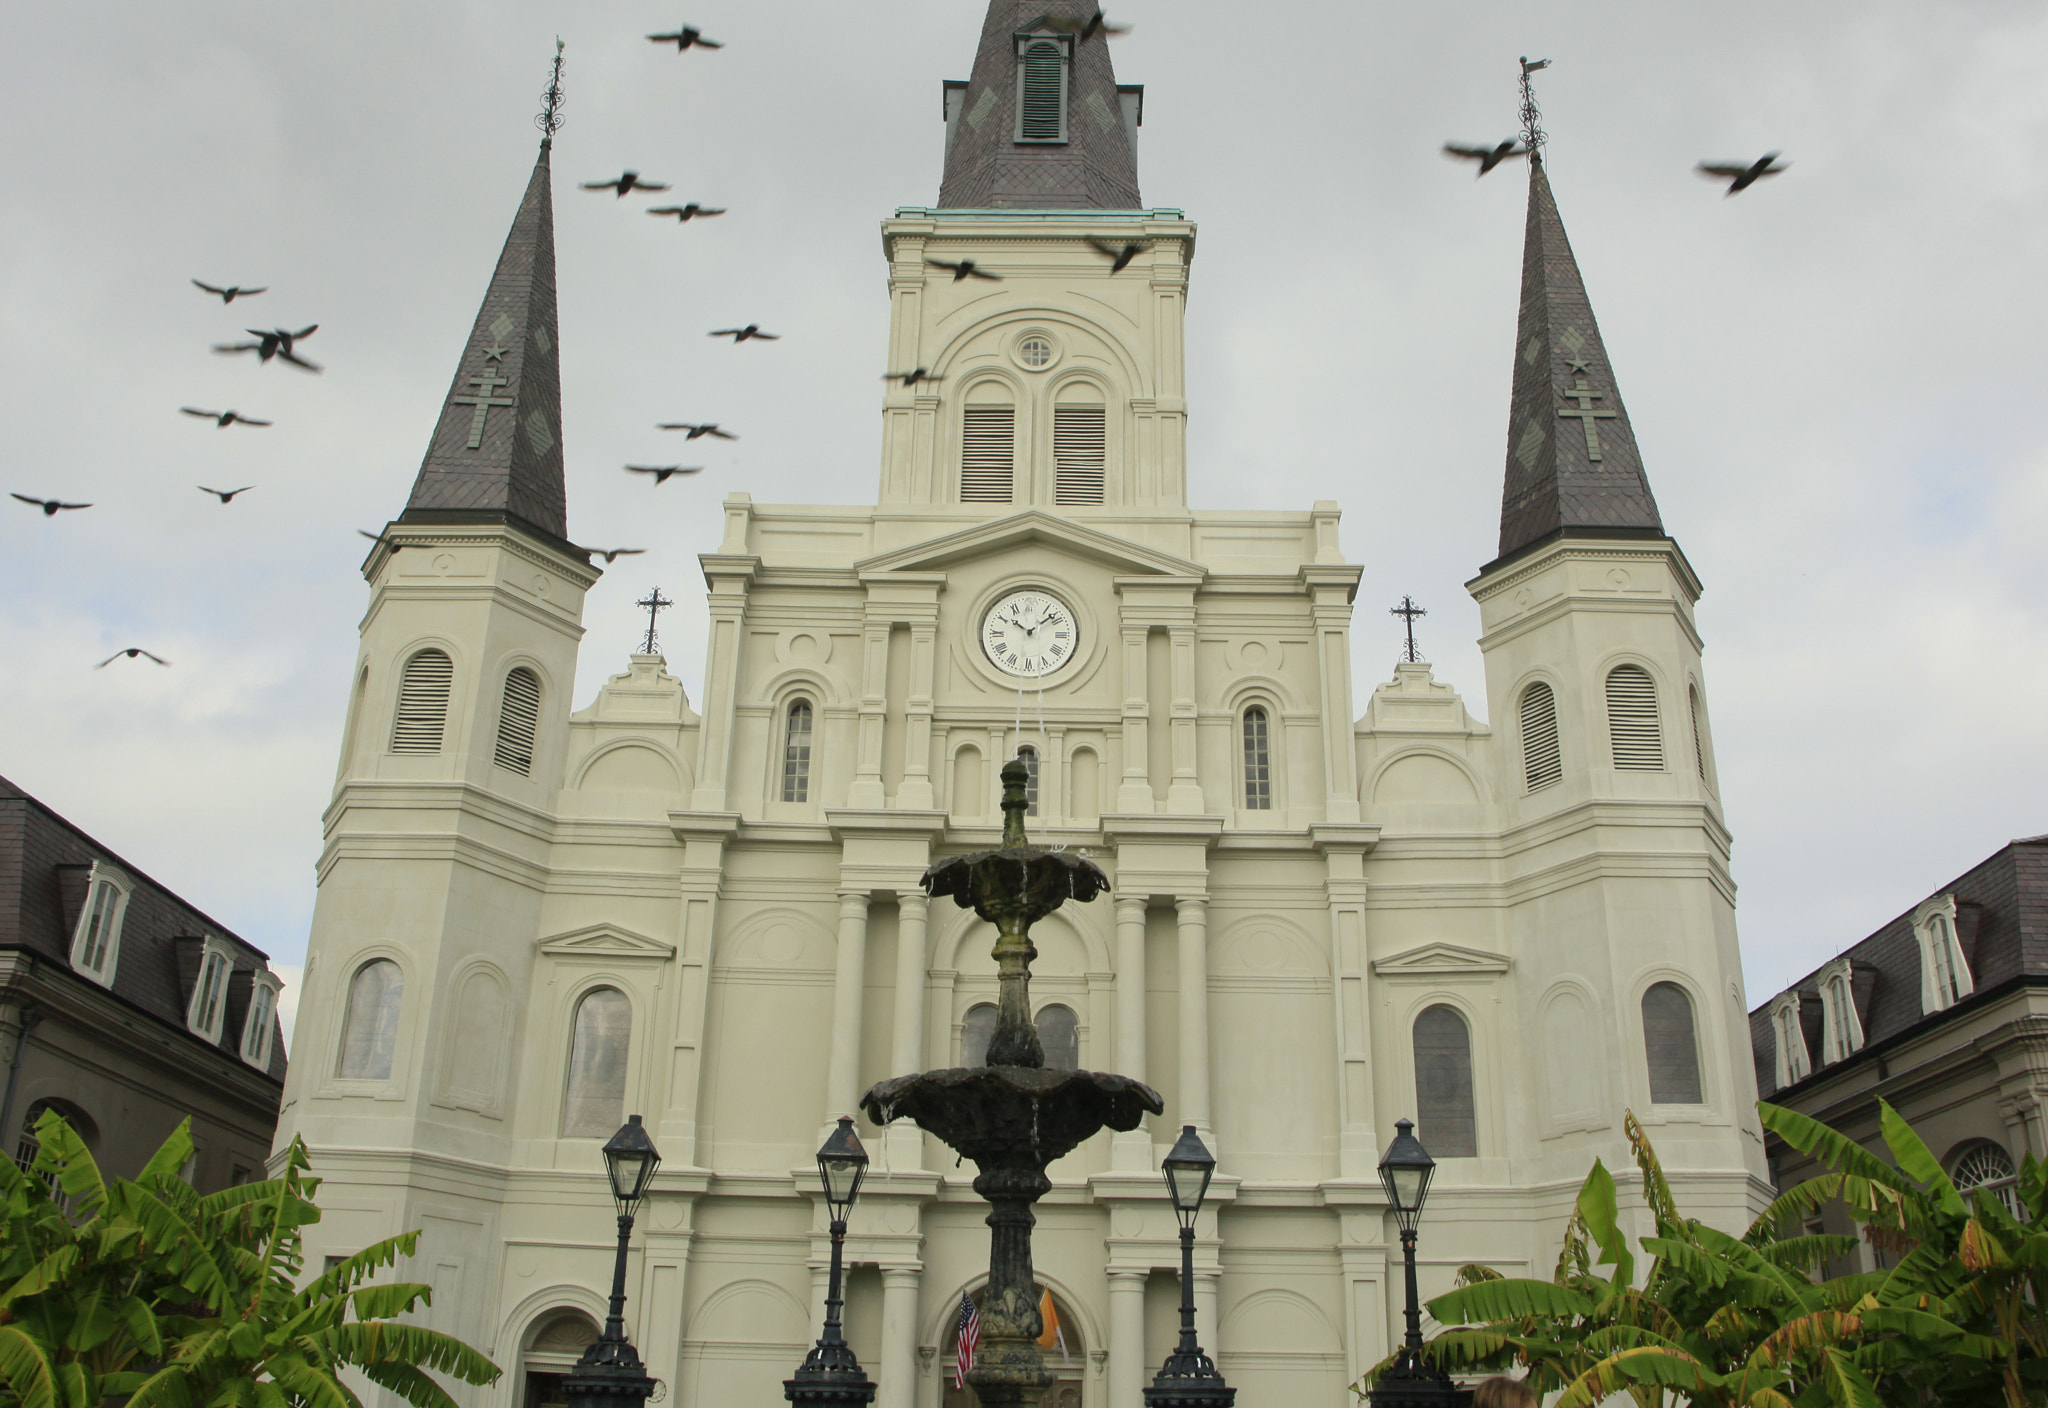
(1443, 1083)
(1541, 762)
(1059, 1032)
(988, 446)
(1986, 1165)
(423, 703)
(369, 1032)
(1258, 761)
(1029, 757)
(1632, 726)
(1841, 1025)
(1042, 93)
(518, 720)
(1673, 1049)
(796, 753)
(1944, 975)
(26, 1146)
(594, 1100)
(1699, 741)
(975, 1030)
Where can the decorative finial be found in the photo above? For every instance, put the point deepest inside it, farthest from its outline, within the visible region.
(549, 118)
(654, 601)
(1533, 136)
(1408, 611)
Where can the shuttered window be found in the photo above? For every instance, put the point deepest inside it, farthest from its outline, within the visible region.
(518, 718)
(1079, 446)
(988, 454)
(1042, 105)
(1699, 744)
(1541, 763)
(1258, 762)
(796, 754)
(423, 703)
(1632, 720)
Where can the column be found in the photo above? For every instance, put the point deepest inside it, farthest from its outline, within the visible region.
(896, 1375)
(1358, 1152)
(1192, 912)
(915, 794)
(906, 1051)
(1135, 794)
(726, 604)
(1054, 782)
(842, 1081)
(1205, 1306)
(1127, 1339)
(1184, 792)
(698, 882)
(1131, 1150)
(874, 711)
(664, 1274)
(1330, 591)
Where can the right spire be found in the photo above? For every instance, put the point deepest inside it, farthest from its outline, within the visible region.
(1572, 468)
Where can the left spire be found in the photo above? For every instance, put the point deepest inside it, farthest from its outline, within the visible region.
(496, 455)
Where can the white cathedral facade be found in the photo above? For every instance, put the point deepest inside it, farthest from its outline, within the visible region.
(1327, 913)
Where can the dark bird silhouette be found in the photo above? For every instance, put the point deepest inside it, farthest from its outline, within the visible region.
(1087, 29)
(912, 377)
(131, 652)
(611, 555)
(226, 495)
(1740, 177)
(964, 269)
(627, 181)
(661, 472)
(687, 212)
(698, 432)
(50, 507)
(273, 342)
(231, 292)
(1121, 255)
(223, 419)
(687, 37)
(1487, 157)
(751, 330)
(378, 538)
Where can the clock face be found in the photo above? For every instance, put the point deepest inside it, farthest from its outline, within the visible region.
(1029, 634)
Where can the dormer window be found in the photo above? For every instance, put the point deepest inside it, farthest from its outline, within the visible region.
(1841, 1031)
(210, 992)
(1041, 88)
(1794, 1064)
(1944, 976)
(261, 1024)
(96, 946)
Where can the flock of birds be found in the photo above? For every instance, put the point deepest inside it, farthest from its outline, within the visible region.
(1740, 176)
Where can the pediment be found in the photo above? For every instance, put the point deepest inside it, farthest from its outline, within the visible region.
(1443, 961)
(606, 941)
(1032, 525)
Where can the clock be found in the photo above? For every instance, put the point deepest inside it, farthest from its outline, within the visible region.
(1029, 634)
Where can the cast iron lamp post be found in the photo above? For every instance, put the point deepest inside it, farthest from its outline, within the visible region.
(1405, 1171)
(1188, 1378)
(610, 1374)
(831, 1377)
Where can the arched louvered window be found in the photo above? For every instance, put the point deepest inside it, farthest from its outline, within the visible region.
(1541, 762)
(518, 718)
(423, 703)
(1699, 741)
(1258, 761)
(1632, 720)
(594, 1102)
(1080, 448)
(1029, 757)
(1986, 1165)
(796, 753)
(1042, 93)
(1672, 1046)
(1059, 1032)
(988, 454)
(1443, 1083)
(369, 1032)
(976, 1030)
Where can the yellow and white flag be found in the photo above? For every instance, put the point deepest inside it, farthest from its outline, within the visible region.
(1054, 1337)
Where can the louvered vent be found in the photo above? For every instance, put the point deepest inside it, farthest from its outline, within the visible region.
(1079, 435)
(1044, 112)
(988, 454)
(518, 719)
(1699, 743)
(1541, 764)
(423, 703)
(1632, 720)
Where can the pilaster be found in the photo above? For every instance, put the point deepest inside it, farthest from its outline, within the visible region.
(1331, 589)
(1345, 886)
(727, 577)
(699, 881)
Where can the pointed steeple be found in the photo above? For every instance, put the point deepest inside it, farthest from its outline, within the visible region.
(1572, 467)
(496, 455)
(1043, 124)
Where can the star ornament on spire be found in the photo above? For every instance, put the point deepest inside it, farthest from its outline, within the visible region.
(549, 118)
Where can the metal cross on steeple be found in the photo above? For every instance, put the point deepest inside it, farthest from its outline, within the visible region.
(1408, 611)
(654, 601)
(549, 118)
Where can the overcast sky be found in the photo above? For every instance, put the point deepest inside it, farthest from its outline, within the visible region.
(1836, 378)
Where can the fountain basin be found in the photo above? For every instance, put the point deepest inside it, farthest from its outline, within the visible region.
(995, 1114)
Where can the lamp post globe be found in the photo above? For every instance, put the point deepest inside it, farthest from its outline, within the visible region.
(1188, 1378)
(610, 1374)
(1411, 1381)
(831, 1377)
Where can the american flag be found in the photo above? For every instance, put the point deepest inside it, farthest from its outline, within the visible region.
(969, 1341)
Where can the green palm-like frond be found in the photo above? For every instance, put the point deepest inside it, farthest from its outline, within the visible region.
(387, 1343)
(25, 1369)
(1508, 1298)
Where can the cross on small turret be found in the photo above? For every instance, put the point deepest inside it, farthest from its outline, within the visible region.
(1408, 611)
(654, 601)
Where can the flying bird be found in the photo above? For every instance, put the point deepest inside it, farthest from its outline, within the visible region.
(1740, 177)
(131, 652)
(1487, 157)
(627, 181)
(223, 419)
(1087, 29)
(912, 377)
(661, 472)
(686, 37)
(964, 269)
(751, 330)
(50, 507)
(698, 432)
(687, 212)
(231, 292)
(378, 538)
(226, 495)
(273, 342)
(1123, 256)
(611, 555)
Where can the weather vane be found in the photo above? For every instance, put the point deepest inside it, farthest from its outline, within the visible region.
(1533, 136)
(549, 118)
(1408, 611)
(654, 601)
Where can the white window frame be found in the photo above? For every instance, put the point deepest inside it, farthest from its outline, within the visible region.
(116, 887)
(1789, 1038)
(208, 1028)
(1941, 954)
(257, 1034)
(1841, 1032)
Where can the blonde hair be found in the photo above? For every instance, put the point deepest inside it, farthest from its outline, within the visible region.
(1503, 1392)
